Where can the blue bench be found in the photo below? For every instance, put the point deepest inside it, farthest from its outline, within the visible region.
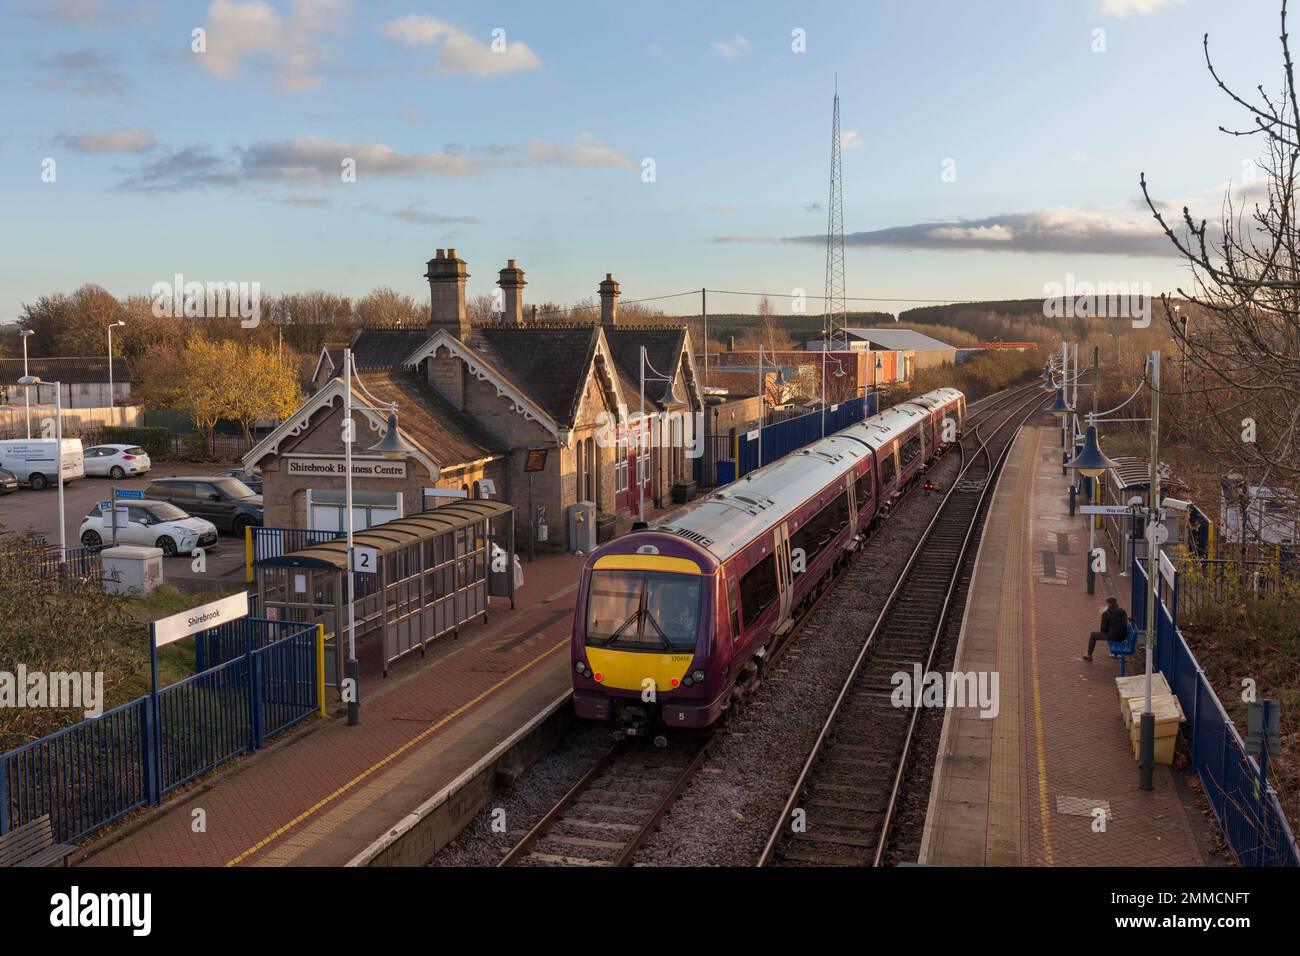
(1124, 649)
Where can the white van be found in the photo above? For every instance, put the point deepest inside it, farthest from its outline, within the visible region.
(32, 460)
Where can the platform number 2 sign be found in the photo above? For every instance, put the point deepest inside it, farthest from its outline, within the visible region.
(365, 560)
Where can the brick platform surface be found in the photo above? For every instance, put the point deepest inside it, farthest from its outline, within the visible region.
(1024, 787)
(323, 796)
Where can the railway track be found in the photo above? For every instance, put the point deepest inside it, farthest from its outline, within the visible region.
(607, 814)
(841, 807)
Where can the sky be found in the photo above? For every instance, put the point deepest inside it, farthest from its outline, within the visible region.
(988, 148)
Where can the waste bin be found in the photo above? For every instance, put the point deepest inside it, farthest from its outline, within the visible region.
(1168, 713)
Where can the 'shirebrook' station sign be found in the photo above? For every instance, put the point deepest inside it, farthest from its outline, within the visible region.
(301, 467)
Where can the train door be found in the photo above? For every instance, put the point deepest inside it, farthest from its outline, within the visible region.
(784, 577)
(854, 504)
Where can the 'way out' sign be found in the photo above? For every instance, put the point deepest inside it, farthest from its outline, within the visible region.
(201, 618)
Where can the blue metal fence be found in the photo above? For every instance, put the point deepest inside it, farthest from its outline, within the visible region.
(273, 542)
(1249, 814)
(90, 774)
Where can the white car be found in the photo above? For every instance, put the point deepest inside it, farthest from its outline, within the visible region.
(116, 461)
(153, 524)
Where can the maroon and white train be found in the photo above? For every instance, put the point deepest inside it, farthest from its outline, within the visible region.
(671, 620)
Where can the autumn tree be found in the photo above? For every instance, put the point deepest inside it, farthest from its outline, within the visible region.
(387, 307)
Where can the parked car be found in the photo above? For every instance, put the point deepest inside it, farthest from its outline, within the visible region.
(33, 463)
(251, 478)
(116, 461)
(154, 524)
(227, 502)
(8, 481)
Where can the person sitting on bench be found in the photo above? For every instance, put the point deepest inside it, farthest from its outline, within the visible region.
(1114, 626)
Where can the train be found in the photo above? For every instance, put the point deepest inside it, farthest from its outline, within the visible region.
(673, 621)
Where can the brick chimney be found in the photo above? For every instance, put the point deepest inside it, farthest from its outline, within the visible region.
(512, 293)
(447, 275)
(609, 301)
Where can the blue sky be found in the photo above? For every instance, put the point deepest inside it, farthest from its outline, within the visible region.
(225, 165)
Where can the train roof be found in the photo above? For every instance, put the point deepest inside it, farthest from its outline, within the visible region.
(735, 514)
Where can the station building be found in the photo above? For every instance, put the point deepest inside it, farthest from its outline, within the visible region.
(509, 410)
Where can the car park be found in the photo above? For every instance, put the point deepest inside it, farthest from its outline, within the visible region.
(33, 461)
(117, 461)
(226, 502)
(155, 524)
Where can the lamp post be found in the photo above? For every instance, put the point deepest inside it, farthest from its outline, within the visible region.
(392, 445)
(26, 334)
(112, 401)
(34, 381)
(670, 397)
(1087, 462)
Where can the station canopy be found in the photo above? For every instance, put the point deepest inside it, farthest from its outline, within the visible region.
(392, 535)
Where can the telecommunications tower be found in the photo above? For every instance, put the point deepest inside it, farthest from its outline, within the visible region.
(834, 313)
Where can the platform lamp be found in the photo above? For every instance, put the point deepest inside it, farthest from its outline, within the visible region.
(670, 397)
(1091, 463)
(392, 445)
(1062, 408)
(112, 402)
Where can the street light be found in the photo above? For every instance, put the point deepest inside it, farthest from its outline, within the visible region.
(839, 373)
(392, 445)
(26, 334)
(112, 403)
(34, 381)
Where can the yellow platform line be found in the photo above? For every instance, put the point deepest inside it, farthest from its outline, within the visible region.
(393, 756)
(1033, 658)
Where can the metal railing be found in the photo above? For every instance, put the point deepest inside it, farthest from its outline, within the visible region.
(96, 771)
(1249, 813)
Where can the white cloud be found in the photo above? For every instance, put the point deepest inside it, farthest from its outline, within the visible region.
(1122, 8)
(730, 49)
(319, 160)
(721, 208)
(288, 45)
(849, 139)
(132, 140)
(459, 53)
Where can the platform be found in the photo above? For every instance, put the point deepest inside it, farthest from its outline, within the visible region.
(1028, 786)
(329, 791)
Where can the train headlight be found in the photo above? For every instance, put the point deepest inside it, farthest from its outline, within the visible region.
(581, 668)
(697, 676)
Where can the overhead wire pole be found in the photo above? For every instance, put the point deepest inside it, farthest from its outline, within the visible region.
(834, 312)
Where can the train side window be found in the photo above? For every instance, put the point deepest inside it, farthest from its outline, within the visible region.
(821, 529)
(910, 449)
(734, 608)
(758, 589)
(888, 470)
(864, 488)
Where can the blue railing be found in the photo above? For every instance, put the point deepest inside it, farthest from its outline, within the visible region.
(273, 542)
(227, 641)
(782, 438)
(1249, 814)
(90, 774)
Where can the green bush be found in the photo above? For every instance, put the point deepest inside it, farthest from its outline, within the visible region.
(194, 447)
(157, 442)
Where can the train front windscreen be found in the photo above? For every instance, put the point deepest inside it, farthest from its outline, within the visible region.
(643, 611)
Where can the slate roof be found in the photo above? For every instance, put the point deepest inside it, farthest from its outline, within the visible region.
(74, 370)
(899, 339)
(547, 363)
(450, 436)
(384, 348)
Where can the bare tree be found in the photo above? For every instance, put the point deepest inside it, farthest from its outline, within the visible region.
(1239, 341)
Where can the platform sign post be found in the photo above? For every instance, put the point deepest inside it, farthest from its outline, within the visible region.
(170, 629)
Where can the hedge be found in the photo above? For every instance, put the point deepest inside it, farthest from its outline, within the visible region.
(157, 442)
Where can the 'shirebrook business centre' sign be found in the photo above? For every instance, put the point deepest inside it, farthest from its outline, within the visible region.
(303, 467)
